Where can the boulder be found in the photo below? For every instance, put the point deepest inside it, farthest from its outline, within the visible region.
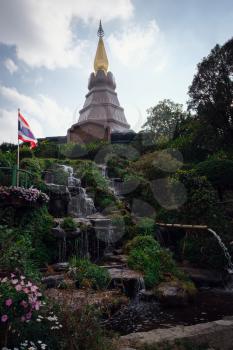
(58, 232)
(203, 277)
(52, 281)
(175, 293)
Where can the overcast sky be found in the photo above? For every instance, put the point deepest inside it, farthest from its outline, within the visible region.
(47, 49)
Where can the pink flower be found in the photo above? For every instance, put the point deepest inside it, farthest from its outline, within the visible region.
(37, 305)
(24, 304)
(34, 288)
(8, 302)
(12, 275)
(29, 284)
(26, 290)
(28, 315)
(22, 277)
(4, 318)
(15, 281)
(18, 287)
(4, 280)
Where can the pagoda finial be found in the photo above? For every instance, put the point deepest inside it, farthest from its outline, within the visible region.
(101, 59)
(100, 32)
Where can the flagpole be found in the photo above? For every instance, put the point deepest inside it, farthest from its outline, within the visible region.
(17, 183)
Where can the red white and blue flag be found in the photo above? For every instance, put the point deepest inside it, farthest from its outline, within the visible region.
(24, 131)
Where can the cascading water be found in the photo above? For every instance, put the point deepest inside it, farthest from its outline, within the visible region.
(80, 204)
(225, 250)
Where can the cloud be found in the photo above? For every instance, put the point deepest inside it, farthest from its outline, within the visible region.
(10, 65)
(137, 44)
(42, 31)
(44, 115)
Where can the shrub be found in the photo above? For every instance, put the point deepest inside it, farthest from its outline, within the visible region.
(25, 152)
(69, 224)
(82, 330)
(19, 300)
(19, 196)
(38, 223)
(32, 165)
(146, 226)
(146, 255)
(218, 172)
(47, 150)
(87, 274)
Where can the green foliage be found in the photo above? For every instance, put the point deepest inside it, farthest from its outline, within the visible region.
(211, 94)
(146, 226)
(25, 151)
(77, 151)
(82, 330)
(201, 205)
(146, 255)
(7, 159)
(202, 250)
(32, 165)
(17, 251)
(38, 223)
(69, 224)
(87, 274)
(47, 150)
(218, 172)
(164, 119)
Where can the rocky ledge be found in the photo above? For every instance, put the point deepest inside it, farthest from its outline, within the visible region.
(217, 334)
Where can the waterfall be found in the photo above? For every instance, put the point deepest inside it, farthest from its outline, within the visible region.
(225, 250)
(80, 204)
(62, 250)
(139, 288)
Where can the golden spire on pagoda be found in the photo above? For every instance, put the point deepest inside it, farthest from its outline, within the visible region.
(101, 59)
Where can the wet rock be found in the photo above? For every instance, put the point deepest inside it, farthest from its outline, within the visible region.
(73, 234)
(175, 293)
(52, 281)
(129, 281)
(63, 266)
(203, 277)
(58, 232)
(147, 295)
(216, 335)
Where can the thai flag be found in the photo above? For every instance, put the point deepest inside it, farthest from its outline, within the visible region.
(24, 131)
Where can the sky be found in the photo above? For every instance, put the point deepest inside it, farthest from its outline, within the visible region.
(47, 50)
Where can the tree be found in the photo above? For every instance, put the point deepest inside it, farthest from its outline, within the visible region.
(211, 93)
(164, 119)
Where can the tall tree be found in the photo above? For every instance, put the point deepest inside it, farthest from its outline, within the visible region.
(164, 119)
(211, 92)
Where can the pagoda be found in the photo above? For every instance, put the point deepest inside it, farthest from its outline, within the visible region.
(101, 114)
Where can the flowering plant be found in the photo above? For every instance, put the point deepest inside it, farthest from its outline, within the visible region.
(30, 195)
(19, 299)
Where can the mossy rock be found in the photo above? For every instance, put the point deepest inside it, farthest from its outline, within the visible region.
(175, 293)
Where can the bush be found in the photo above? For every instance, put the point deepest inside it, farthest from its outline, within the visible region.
(146, 226)
(87, 274)
(69, 224)
(17, 252)
(218, 172)
(82, 330)
(146, 255)
(20, 299)
(38, 223)
(47, 149)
